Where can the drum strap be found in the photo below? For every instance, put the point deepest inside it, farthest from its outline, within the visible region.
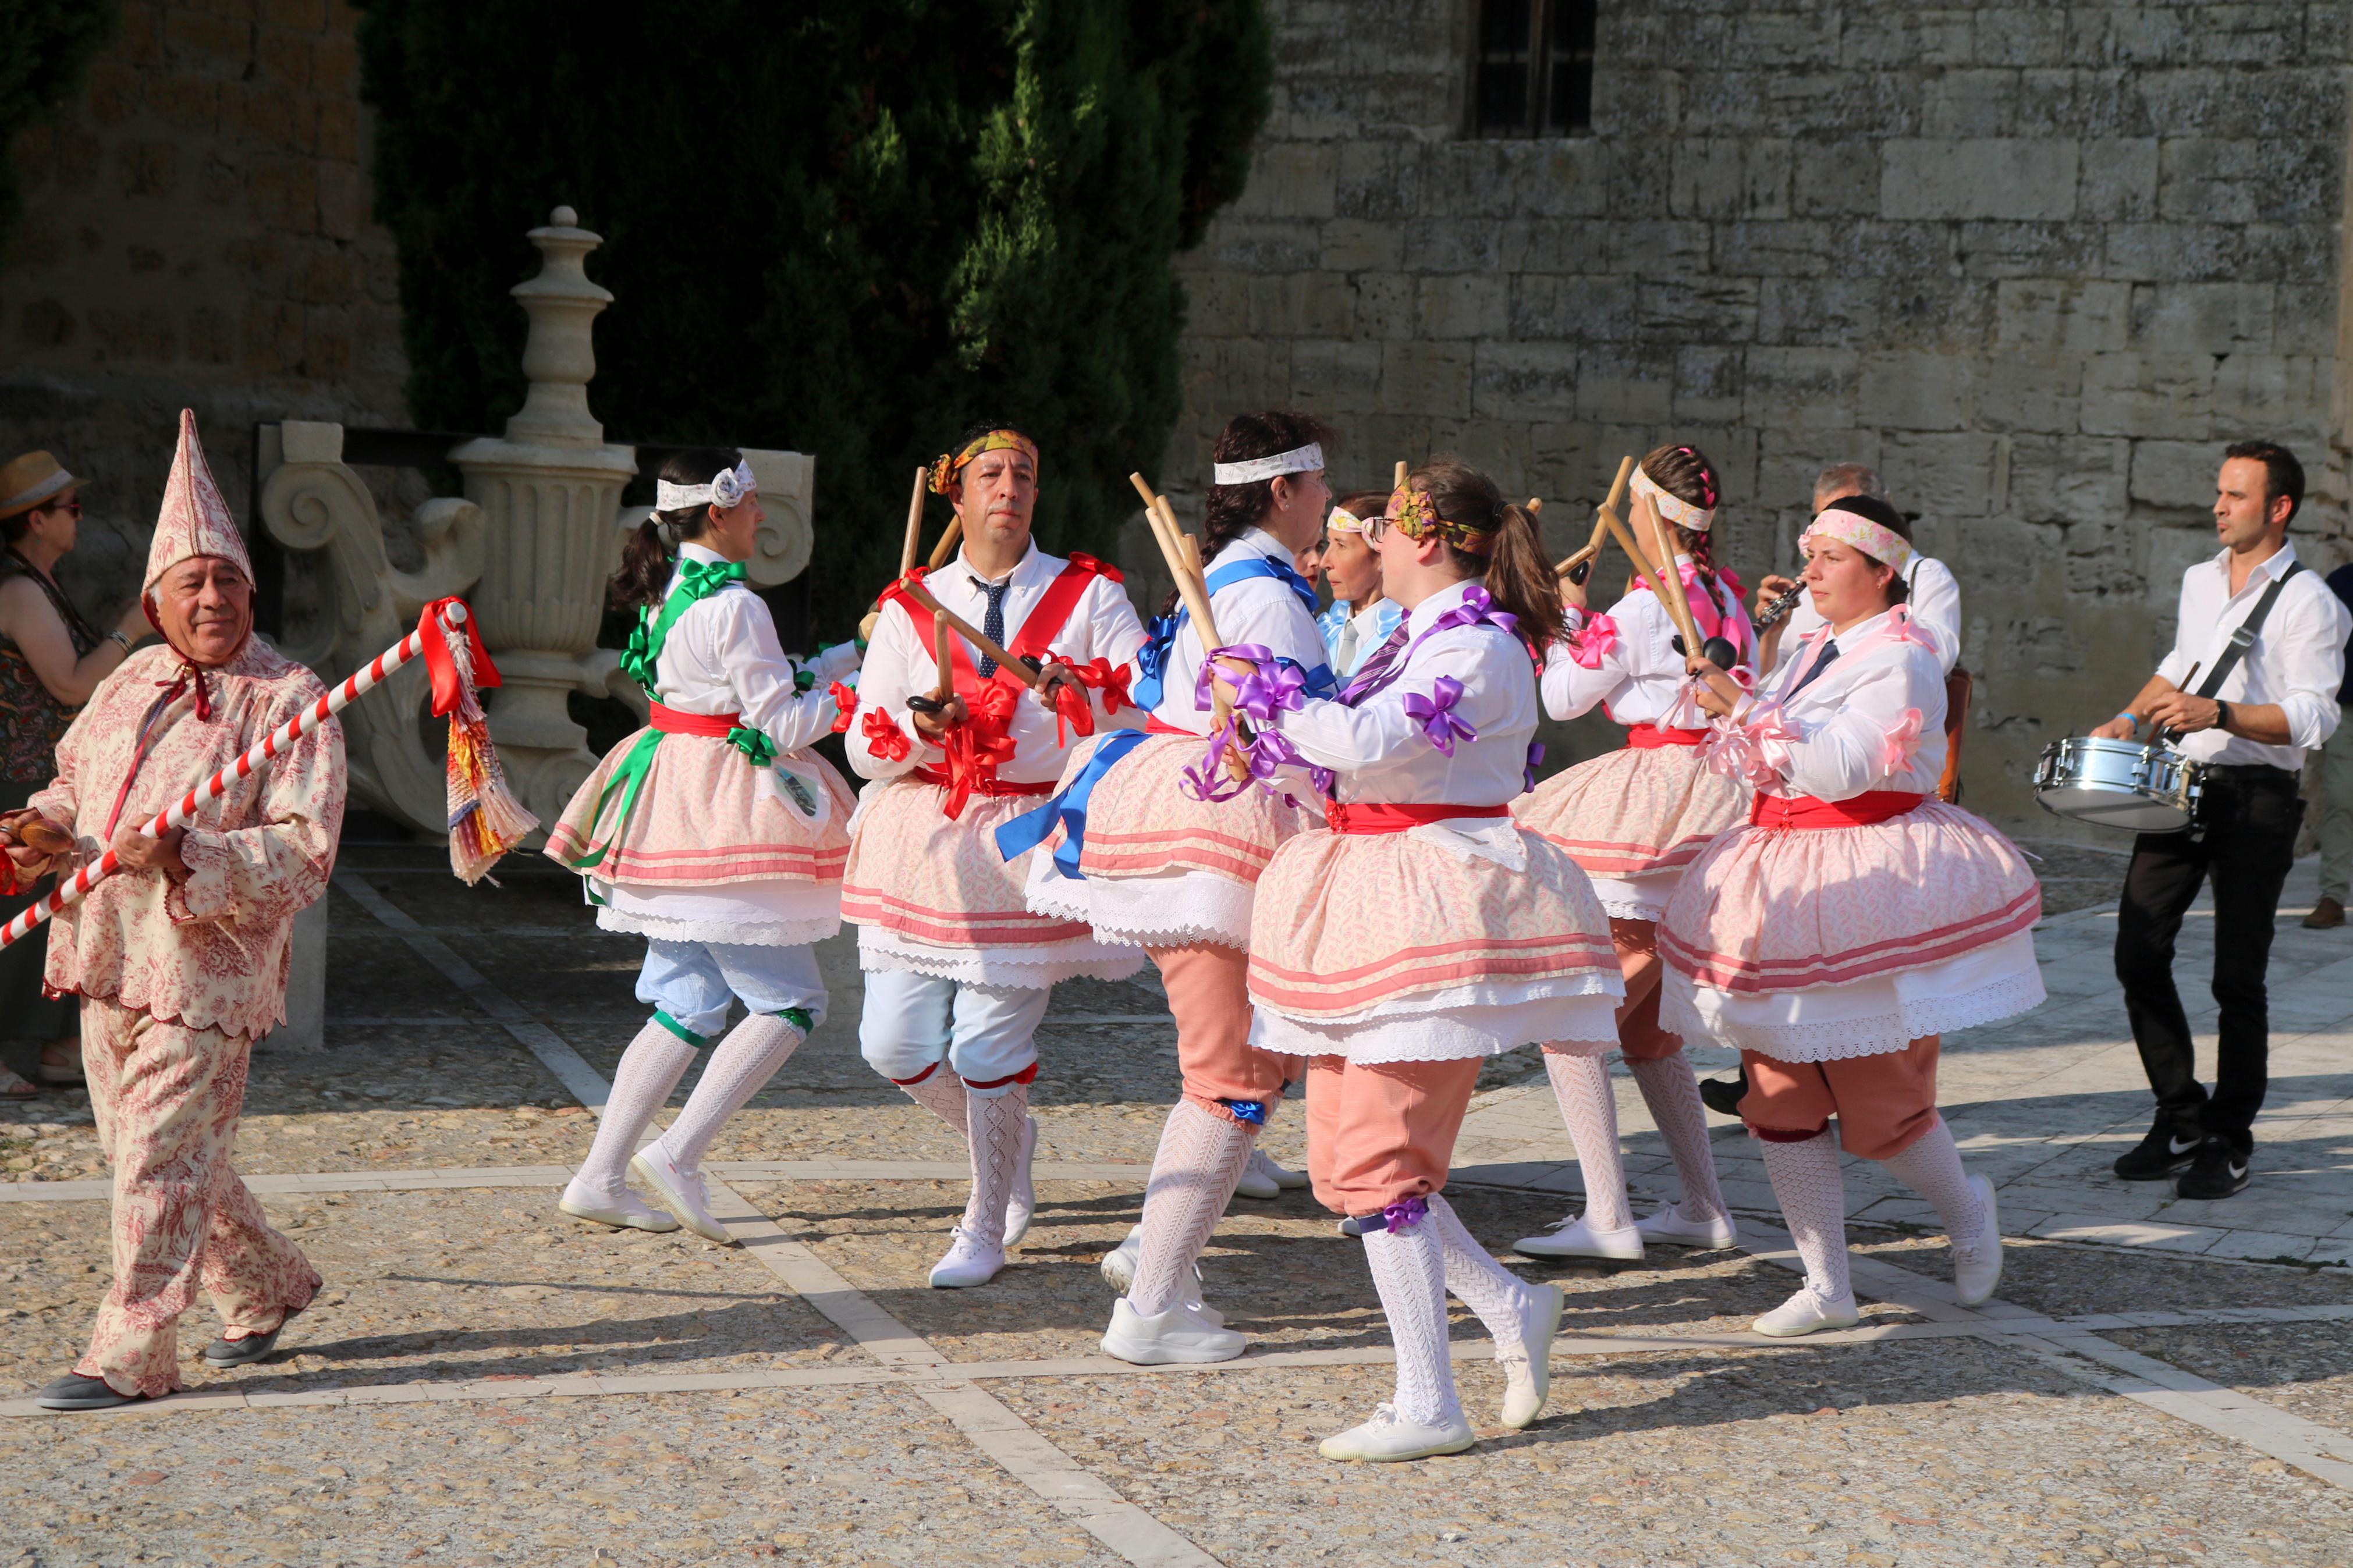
(2244, 637)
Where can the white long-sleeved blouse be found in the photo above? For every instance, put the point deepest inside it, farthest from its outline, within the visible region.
(1265, 611)
(1874, 720)
(1637, 673)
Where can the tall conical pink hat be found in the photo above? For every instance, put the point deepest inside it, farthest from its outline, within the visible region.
(195, 520)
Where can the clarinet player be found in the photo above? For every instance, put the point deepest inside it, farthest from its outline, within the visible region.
(2249, 718)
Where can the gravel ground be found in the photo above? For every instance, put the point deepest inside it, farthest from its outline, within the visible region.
(2299, 1367)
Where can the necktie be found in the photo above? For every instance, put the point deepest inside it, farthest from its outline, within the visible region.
(1376, 668)
(994, 623)
(1829, 652)
(1346, 652)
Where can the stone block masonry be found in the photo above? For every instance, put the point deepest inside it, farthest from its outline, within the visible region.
(2037, 264)
(197, 233)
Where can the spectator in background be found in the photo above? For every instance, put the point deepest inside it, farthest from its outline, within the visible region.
(51, 659)
(1360, 618)
(2337, 791)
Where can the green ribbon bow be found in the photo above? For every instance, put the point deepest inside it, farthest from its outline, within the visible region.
(696, 581)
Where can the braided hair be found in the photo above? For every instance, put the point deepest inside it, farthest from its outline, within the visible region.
(1685, 473)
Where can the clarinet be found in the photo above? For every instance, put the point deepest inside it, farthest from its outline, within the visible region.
(1779, 608)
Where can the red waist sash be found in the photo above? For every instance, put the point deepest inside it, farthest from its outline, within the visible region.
(1858, 811)
(1384, 816)
(1153, 726)
(1650, 737)
(931, 776)
(670, 721)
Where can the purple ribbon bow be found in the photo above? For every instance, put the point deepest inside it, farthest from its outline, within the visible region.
(1477, 608)
(1404, 1214)
(1269, 689)
(1435, 714)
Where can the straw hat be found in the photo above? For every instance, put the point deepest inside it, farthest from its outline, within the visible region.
(30, 481)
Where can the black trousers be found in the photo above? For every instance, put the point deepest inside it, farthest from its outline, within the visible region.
(2249, 820)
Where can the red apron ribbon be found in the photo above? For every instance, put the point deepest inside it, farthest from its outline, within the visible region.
(1855, 810)
(1388, 817)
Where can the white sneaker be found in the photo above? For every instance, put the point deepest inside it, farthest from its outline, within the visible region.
(1527, 1365)
(1255, 1183)
(632, 1212)
(1977, 1265)
(1389, 1437)
(1119, 1264)
(1021, 1202)
(1666, 1223)
(968, 1261)
(1805, 1312)
(681, 1192)
(1572, 1237)
(1179, 1336)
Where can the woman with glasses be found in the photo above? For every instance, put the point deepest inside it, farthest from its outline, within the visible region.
(51, 659)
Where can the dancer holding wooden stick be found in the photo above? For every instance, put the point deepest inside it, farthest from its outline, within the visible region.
(1633, 818)
(1158, 848)
(957, 969)
(180, 958)
(715, 833)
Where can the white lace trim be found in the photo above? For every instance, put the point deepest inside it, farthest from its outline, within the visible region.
(1473, 1031)
(740, 933)
(1843, 1040)
(1636, 899)
(1029, 969)
(1174, 911)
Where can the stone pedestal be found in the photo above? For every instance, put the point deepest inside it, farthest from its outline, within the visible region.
(305, 1028)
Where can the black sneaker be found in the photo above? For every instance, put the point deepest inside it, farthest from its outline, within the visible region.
(1722, 1095)
(2166, 1152)
(2220, 1170)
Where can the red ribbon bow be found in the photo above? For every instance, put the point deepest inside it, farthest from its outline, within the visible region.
(977, 746)
(434, 633)
(847, 700)
(190, 674)
(1072, 708)
(886, 740)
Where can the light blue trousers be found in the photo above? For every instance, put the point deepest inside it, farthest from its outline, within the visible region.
(694, 982)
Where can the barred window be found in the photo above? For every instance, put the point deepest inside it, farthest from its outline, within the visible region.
(1531, 68)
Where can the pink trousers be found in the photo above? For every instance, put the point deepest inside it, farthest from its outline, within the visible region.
(1378, 1134)
(1208, 992)
(167, 1098)
(1883, 1102)
(1640, 1038)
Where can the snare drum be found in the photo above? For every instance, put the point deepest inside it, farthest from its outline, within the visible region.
(2119, 783)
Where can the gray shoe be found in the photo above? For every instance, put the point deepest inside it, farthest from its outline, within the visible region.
(75, 1392)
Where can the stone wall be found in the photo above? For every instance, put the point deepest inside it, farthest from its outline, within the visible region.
(2035, 263)
(196, 234)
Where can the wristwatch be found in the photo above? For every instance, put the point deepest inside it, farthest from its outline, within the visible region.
(2222, 714)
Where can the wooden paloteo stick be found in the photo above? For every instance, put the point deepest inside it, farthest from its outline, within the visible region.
(1601, 524)
(1182, 559)
(1402, 472)
(1666, 579)
(944, 655)
(946, 546)
(944, 616)
(914, 542)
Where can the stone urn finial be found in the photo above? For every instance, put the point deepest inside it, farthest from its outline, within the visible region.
(559, 357)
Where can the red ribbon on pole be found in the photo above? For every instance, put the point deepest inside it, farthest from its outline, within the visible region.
(440, 668)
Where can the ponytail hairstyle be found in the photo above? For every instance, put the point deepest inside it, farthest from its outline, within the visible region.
(1878, 509)
(1501, 547)
(649, 554)
(1684, 473)
(1231, 511)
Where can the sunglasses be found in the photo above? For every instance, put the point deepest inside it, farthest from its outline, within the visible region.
(71, 509)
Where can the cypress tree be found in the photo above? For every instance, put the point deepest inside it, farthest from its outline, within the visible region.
(846, 228)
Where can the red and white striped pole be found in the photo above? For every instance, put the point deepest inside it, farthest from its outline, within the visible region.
(71, 889)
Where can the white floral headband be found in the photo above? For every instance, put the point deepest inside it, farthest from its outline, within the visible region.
(1298, 460)
(726, 490)
(1674, 508)
(1882, 543)
(1343, 520)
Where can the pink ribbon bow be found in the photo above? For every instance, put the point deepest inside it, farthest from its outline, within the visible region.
(1903, 743)
(1593, 641)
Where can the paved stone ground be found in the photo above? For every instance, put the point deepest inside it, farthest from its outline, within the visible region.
(488, 1382)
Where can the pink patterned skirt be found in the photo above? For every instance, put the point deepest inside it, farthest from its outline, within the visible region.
(704, 816)
(1816, 944)
(1159, 869)
(1402, 946)
(1633, 818)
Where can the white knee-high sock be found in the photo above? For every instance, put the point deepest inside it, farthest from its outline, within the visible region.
(942, 1093)
(1483, 1285)
(740, 1064)
(1931, 1167)
(1672, 1094)
(650, 1069)
(1200, 1158)
(996, 1121)
(1581, 1084)
(1812, 1194)
(1410, 1275)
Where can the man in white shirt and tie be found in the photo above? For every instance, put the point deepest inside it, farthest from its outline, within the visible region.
(2250, 732)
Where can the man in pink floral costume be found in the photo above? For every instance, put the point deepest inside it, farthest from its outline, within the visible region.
(180, 958)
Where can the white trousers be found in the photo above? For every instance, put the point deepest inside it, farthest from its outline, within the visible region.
(987, 1034)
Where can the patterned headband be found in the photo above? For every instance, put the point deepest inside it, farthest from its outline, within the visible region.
(1298, 460)
(1412, 513)
(1343, 520)
(726, 490)
(1675, 509)
(948, 464)
(1853, 530)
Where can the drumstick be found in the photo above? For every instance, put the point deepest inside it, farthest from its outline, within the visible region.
(914, 539)
(915, 590)
(947, 543)
(1600, 528)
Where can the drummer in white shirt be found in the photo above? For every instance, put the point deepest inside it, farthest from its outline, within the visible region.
(2250, 734)
(1935, 596)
